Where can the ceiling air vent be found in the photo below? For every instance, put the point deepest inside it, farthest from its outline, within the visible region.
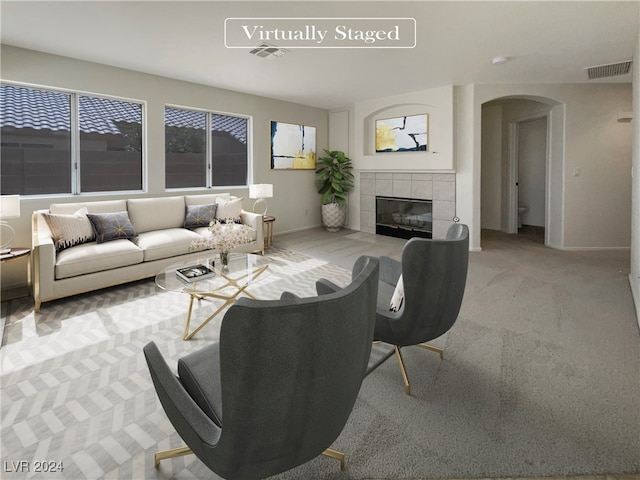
(609, 70)
(268, 51)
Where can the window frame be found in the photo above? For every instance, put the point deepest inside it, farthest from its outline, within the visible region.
(74, 126)
(208, 149)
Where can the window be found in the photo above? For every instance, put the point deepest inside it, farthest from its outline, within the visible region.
(191, 153)
(57, 142)
(185, 148)
(36, 141)
(110, 145)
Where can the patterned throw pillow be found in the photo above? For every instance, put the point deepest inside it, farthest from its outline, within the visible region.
(200, 215)
(112, 226)
(70, 230)
(229, 210)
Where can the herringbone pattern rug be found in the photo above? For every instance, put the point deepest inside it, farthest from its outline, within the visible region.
(75, 386)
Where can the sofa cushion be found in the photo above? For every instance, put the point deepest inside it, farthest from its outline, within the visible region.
(166, 243)
(94, 257)
(199, 215)
(149, 214)
(70, 230)
(112, 226)
(105, 206)
(205, 199)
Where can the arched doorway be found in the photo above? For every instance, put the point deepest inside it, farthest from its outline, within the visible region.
(516, 167)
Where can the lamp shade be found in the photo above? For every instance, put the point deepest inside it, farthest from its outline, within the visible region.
(261, 190)
(9, 206)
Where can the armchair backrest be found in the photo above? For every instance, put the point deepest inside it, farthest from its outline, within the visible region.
(434, 273)
(291, 370)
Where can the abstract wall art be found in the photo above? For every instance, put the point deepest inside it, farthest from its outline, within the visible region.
(293, 147)
(403, 134)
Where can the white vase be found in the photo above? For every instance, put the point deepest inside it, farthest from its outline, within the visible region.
(333, 216)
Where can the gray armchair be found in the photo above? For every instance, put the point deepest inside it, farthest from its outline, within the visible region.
(279, 386)
(434, 274)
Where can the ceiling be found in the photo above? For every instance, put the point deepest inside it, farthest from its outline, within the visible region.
(546, 42)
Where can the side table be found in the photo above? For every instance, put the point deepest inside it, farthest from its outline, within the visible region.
(14, 254)
(267, 225)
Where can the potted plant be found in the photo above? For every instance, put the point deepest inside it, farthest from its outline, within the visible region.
(334, 179)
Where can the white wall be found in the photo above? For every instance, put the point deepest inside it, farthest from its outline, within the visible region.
(634, 276)
(46, 70)
(590, 211)
(492, 167)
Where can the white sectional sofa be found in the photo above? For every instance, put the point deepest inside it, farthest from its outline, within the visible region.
(160, 240)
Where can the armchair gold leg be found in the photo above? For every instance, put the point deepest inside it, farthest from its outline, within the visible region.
(176, 452)
(330, 452)
(181, 451)
(407, 387)
(439, 351)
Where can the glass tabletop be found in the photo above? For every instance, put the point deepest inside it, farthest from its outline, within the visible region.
(244, 268)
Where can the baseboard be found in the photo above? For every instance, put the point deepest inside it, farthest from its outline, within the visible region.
(634, 282)
(592, 249)
(293, 230)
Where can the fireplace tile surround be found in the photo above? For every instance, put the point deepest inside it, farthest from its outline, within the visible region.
(438, 187)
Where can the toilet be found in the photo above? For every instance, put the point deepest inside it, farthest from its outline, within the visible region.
(521, 211)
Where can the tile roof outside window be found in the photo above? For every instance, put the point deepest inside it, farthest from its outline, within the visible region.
(99, 115)
(236, 126)
(177, 117)
(40, 110)
(32, 108)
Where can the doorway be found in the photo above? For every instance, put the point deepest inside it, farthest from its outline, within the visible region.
(528, 167)
(522, 137)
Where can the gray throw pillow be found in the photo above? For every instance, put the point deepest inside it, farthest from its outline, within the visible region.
(200, 215)
(112, 226)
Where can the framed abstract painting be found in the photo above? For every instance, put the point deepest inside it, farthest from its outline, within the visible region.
(293, 147)
(403, 134)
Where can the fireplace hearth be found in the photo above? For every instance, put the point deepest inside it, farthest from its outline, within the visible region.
(404, 217)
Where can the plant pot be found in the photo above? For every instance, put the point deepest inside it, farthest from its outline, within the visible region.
(333, 216)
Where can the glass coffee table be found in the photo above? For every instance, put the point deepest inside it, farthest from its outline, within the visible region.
(225, 284)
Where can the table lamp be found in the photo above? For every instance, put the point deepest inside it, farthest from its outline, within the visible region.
(260, 191)
(9, 208)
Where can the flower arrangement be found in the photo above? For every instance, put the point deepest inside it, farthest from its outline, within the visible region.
(224, 236)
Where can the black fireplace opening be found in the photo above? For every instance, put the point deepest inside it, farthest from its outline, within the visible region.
(404, 217)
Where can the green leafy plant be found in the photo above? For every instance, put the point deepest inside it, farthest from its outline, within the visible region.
(334, 177)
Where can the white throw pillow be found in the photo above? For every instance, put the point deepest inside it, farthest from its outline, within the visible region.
(398, 296)
(228, 210)
(70, 230)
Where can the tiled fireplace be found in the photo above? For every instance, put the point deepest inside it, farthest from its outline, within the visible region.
(440, 188)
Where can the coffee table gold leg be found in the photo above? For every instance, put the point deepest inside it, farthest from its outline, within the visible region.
(188, 336)
(229, 300)
(185, 335)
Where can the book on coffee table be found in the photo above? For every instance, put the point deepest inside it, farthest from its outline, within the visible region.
(193, 273)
